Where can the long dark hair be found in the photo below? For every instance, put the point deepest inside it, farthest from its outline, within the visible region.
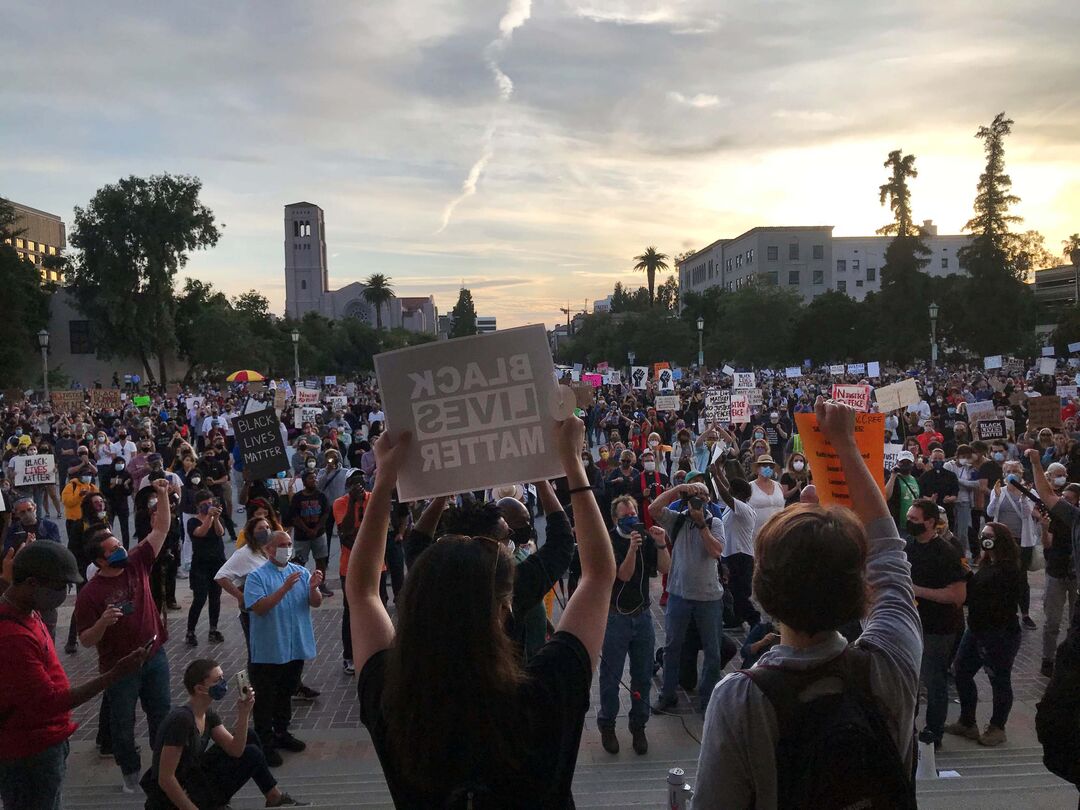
(452, 672)
(1005, 550)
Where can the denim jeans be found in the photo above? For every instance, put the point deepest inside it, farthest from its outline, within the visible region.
(709, 616)
(149, 686)
(995, 650)
(936, 657)
(35, 783)
(1058, 591)
(634, 635)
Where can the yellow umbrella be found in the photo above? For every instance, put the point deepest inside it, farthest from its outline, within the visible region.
(245, 375)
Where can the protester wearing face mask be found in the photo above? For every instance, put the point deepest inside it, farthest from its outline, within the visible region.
(117, 487)
(310, 512)
(766, 494)
(902, 488)
(37, 702)
(216, 464)
(254, 554)
(116, 612)
(648, 484)
(279, 596)
(621, 479)
(208, 555)
(348, 512)
(197, 761)
(1010, 507)
(939, 578)
(940, 484)
(777, 432)
(27, 526)
(795, 477)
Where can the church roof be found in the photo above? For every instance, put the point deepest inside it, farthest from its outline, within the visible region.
(293, 205)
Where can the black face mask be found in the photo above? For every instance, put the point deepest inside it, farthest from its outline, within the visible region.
(521, 536)
(915, 529)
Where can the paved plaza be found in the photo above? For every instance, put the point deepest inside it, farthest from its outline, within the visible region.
(340, 769)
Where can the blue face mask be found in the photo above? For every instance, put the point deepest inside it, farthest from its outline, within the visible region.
(218, 690)
(626, 524)
(766, 472)
(1012, 478)
(118, 559)
(999, 456)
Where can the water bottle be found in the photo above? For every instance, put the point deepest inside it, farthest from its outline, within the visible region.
(679, 792)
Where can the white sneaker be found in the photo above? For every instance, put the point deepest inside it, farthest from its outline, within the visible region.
(348, 667)
(131, 783)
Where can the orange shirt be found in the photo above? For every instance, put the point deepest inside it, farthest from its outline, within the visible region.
(340, 509)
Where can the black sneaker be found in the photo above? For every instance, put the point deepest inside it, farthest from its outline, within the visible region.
(641, 742)
(191, 640)
(273, 758)
(288, 801)
(609, 740)
(215, 637)
(927, 736)
(71, 648)
(1047, 668)
(324, 590)
(306, 693)
(664, 703)
(288, 742)
(1029, 623)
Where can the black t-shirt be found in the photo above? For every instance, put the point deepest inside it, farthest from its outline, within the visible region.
(936, 564)
(208, 548)
(178, 729)
(993, 597)
(632, 595)
(1059, 556)
(547, 720)
(991, 471)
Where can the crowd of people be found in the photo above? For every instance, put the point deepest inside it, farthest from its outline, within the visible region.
(924, 581)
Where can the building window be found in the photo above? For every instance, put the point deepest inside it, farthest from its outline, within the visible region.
(841, 286)
(793, 251)
(793, 277)
(710, 268)
(303, 284)
(772, 253)
(819, 276)
(858, 282)
(80, 337)
(855, 264)
(871, 274)
(750, 256)
(772, 278)
(738, 260)
(819, 251)
(728, 265)
(52, 250)
(20, 243)
(841, 265)
(296, 227)
(944, 262)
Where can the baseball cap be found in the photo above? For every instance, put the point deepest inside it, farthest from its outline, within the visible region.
(692, 475)
(46, 559)
(905, 455)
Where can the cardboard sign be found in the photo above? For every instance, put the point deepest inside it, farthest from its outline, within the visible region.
(639, 377)
(258, 435)
(105, 399)
(717, 406)
(995, 361)
(892, 456)
(832, 487)
(668, 403)
(1044, 412)
(857, 396)
(744, 380)
(856, 368)
(896, 396)
(256, 387)
(307, 396)
(481, 409)
(793, 372)
(31, 470)
(66, 401)
(172, 390)
(977, 411)
(990, 429)
(584, 394)
(1048, 366)
(141, 401)
(836, 370)
(740, 409)
(279, 400)
(1067, 391)
(666, 380)
(595, 380)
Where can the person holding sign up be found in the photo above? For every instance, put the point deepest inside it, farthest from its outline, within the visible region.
(449, 705)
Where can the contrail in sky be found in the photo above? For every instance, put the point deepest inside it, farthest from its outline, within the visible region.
(517, 13)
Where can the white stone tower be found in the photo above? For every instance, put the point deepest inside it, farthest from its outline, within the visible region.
(306, 276)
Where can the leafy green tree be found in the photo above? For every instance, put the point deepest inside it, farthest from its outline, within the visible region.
(1027, 253)
(832, 328)
(667, 296)
(463, 315)
(131, 239)
(651, 262)
(993, 196)
(26, 308)
(378, 291)
(897, 193)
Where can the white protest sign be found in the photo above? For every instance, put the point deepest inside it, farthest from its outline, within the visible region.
(639, 377)
(338, 403)
(717, 406)
(836, 370)
(330, 379)
(873, 369)
(1074, 347)
(668, 403)
(992, 362)
(302, 414)
(729, 370)
(754, 397)
(896, 396)
(857, 396)
(666, 380)
(740, 409)
(614, 377)
(744, 380)
(892, 456)
(793, 372)
(856, 368)
(1048, 365)
(31, 470)
(1067, 391)
(350, 389)
(307, 396)
(1047, 351)
(980, 410)
(481, 409)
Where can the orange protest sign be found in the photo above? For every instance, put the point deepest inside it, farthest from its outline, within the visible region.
(657, 367)
(829, 478)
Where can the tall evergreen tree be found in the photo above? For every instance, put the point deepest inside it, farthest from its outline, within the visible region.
(463, 315)
(993, 196)
(897, 193)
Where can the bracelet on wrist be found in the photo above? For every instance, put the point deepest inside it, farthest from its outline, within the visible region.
(587, 488)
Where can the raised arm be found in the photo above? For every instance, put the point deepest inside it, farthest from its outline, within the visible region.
(372, 630)
(1042, 486)
(585, 616)
(162, 517)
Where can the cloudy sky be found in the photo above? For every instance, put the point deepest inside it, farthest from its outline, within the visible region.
(531, 149)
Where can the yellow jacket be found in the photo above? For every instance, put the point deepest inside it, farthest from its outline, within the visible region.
(72, 496)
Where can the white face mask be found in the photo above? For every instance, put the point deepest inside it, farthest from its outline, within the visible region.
(119, 467)
(797, 466)
(282, 555)
(1059, 480)
(653, 443)
(649, 466)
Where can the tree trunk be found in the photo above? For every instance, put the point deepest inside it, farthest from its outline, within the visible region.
(652, 286)
(161, 369)
(146, 366)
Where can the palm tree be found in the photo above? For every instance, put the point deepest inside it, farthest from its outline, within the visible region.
(378, 291)
(1071, 245)
(651, 262)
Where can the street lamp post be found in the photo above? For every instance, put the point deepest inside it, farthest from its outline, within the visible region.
(43, 342)
(631, 357)
(933, 310)
(295, 335)
(700, 353)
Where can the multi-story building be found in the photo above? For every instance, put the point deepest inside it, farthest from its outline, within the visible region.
(485, 324)
(806, 259)
(1055, 291)
(307, 280)
(42, 236)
